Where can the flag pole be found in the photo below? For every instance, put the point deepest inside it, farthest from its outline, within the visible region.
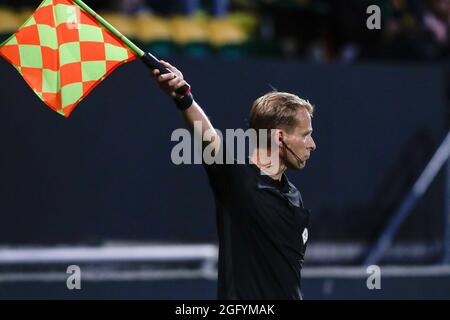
(150, 60)
(110, 28)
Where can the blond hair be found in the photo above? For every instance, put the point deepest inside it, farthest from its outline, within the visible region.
(277, 110)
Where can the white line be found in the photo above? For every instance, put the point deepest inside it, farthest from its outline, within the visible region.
(387, 271)
(103, 276)
(433, 167)
(155, 275)
(110, 253)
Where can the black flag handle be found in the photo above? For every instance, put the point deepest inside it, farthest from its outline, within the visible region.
(153, 63)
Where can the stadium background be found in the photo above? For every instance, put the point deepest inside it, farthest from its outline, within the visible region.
(99, 190)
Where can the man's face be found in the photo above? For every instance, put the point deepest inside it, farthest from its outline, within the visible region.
(300, 140)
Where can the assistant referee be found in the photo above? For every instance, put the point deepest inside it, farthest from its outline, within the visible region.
(262, 223)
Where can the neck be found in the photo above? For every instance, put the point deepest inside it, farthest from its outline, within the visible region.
(261, 158)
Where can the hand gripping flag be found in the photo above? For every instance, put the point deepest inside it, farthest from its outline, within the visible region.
(64, 50)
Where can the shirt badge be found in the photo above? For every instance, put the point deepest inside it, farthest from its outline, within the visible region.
(305, 235)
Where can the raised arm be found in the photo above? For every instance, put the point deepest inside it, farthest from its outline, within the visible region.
(191, 113)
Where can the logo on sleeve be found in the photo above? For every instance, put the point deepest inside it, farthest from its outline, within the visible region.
(305, 235)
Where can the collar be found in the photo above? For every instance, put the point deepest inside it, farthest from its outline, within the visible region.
(283, 186)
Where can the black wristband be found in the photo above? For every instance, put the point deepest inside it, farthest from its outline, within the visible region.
(185, 102)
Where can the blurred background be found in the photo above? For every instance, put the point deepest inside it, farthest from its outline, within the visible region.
(100, 191)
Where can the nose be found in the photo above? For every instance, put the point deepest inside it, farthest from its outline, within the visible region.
(312, 145)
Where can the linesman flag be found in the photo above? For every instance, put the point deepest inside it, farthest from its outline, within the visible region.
(64, 50)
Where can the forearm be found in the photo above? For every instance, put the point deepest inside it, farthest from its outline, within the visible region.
(197, 121)
(195, 114)
(195, 118)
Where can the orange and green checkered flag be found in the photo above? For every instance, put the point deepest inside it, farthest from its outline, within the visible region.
(64, 50)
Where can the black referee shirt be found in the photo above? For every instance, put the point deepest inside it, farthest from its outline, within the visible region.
(263, 233)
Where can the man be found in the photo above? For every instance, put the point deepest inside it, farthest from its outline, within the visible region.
(262, 224)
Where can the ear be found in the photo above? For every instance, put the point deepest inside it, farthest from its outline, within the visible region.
(279, 135)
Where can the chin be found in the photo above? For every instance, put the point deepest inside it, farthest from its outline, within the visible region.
(296, 166)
